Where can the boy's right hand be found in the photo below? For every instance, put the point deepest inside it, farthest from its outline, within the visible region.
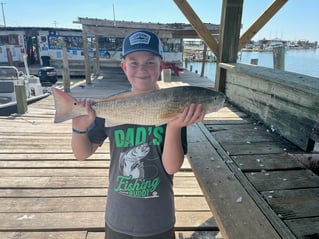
(84, 121)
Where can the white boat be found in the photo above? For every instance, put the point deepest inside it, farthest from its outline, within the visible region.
(10, 76)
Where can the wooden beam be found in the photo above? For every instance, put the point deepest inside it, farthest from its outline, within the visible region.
(260, 22)
(97, 56)
(198, 25)
(229, 38)
(86, 58)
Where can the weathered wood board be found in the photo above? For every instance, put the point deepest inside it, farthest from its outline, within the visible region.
(287, 101)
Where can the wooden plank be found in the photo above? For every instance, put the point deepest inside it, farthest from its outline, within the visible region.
(305, 227)
(82, 204)
(279, 180)
(287, 101)
(90, 221)
(80, 192)
(248, 148)
(297, 203)
(240, 135)
(76, 182)
(53, 165)
(45, 235)
(198, 235)
(259, 162)
(36, 156)
(69, 172)
(284, 231)
(57, 192)
(99, 235)
(95, 235)
(228, 200)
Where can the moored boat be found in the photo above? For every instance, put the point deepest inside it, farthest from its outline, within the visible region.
(10, 77)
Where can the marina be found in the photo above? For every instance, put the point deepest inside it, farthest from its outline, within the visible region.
(304, 62)
(45, 192)
(15, 83)
(251, 170)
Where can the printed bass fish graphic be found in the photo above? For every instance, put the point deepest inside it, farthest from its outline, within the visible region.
(131, 162)
(153, 108)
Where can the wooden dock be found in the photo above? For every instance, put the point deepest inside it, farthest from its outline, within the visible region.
(245, 170)
(46, 193)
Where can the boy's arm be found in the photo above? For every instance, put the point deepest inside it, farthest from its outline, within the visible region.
(173, 154)
(81, 145)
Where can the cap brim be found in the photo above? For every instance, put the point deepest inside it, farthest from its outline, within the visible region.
(142, 49)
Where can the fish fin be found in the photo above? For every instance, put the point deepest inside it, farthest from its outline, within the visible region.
(161, 123)
(168, 116)
(117, 97)
(63, 106)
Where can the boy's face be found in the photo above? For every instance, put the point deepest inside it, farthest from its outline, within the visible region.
(142, 70)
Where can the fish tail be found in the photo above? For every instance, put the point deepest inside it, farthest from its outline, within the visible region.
(64, 105)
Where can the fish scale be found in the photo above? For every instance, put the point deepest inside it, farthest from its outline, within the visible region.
(152, 108)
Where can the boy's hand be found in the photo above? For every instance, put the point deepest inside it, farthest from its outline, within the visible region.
(84, 121)
(191, 114)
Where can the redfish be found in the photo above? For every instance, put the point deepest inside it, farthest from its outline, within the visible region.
(152, 108)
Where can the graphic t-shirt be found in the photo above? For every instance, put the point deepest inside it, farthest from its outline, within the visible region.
(140, 200)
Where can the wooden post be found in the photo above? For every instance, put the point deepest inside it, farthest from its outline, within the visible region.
(166, 75)
(86, 58)
(65, 71)
(260, 22)
(229, 39)
(279, 57)
(21, 98)
(9, 55)
(203, 60)
(97, 56)
(186, 62)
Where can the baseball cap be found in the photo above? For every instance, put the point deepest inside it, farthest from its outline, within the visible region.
(142, 40)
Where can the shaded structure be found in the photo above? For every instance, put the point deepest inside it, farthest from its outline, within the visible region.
(105, 27)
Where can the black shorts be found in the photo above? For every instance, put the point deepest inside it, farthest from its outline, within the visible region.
(110, 234)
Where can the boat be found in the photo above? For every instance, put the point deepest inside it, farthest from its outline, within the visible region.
(10, 77)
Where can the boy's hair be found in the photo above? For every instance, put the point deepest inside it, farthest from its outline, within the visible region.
(142, 40)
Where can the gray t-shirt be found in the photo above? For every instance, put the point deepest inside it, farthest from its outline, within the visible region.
(140, 200)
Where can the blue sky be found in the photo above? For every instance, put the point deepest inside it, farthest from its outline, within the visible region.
(298, 19)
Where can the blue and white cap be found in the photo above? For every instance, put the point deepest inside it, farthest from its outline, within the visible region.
(142, 40)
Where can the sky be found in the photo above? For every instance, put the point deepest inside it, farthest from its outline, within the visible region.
(296, 20)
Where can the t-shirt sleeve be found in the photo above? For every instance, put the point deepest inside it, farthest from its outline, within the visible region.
(96, 131)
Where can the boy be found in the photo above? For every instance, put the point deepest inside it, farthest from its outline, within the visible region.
(140, 200)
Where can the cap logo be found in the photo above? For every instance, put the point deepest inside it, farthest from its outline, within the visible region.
(140, 38)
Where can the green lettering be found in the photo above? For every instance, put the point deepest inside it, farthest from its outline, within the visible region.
(123, 183)
(119, 138)
(129, 138)
(158, 135)
(140, 136)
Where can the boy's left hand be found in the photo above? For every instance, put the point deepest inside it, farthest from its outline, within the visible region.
(191, 114)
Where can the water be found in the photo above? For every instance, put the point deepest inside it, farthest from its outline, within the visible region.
(299, 61)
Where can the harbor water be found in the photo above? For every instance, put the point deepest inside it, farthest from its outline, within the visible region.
(299, 61)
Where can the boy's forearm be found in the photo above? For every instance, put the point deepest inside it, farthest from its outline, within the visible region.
(81, 146)
(173, 153)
